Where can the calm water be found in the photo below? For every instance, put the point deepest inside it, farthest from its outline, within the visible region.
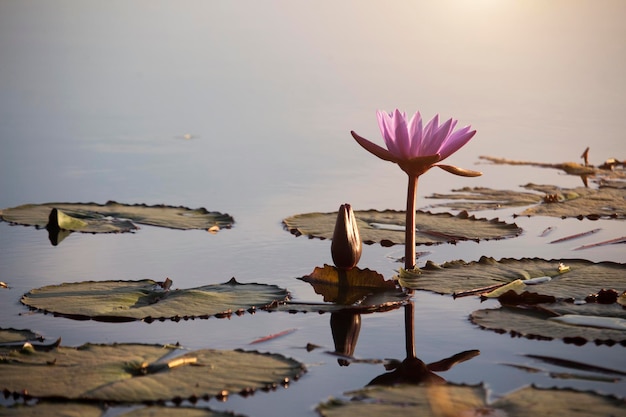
(96, 99)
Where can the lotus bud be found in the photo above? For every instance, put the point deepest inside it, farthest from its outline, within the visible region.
(346, 246)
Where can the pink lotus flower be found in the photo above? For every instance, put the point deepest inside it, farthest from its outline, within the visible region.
(417, 148)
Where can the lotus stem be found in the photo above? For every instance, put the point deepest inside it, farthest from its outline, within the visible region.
(409, 245)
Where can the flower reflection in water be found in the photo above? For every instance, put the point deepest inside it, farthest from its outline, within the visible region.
(413, 370)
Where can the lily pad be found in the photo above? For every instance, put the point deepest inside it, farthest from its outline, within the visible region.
(607, 202)
(570, 278)
(464, 400)
(610, 169)
(598, 323)
(149, 300)
(387, 227)
(372, 303)
(15, 335)
(580, 202)
(348, 287)
(113, 217)
(137, 373)
(481, 198)
(58, 409)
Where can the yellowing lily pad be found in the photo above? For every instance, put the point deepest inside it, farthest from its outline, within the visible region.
(569, 278)
(113, 217)
(136, 373)
(149, 300)
(387, 227)
(348, 287)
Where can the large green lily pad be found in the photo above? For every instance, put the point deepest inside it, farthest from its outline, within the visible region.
(577, 324)
(581, 277)
(463, 400)
(78, 409)
(149, 300)
(114, 217)
(608, 202)
(387, 227)
(137, 373)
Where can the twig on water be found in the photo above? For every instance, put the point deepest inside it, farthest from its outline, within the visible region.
(606, 242)
(576, 236)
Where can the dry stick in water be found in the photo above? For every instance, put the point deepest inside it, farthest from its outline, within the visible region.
(606, 242)
(576, 236)
(273, 336)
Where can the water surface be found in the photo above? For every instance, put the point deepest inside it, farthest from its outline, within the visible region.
(246, 107)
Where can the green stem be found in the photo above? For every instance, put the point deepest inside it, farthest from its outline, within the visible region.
(409, 245)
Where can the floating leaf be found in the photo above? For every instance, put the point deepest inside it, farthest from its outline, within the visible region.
(15, 336)
(347, 287)
(547, 200)
(133, 373)
(387, 227)
(582, 278)
(356, 291)
(463, 400)
(547, 323)
(58, 409)
(147, 300)
(481, 198)
(607, 170)
(372, 303)
(113, 217)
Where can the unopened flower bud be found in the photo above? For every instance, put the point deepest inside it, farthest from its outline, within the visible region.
(346, 246)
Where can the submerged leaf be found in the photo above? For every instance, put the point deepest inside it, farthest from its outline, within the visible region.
(387, 227)
(112, 217)
(113, 373)
(147, 300)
